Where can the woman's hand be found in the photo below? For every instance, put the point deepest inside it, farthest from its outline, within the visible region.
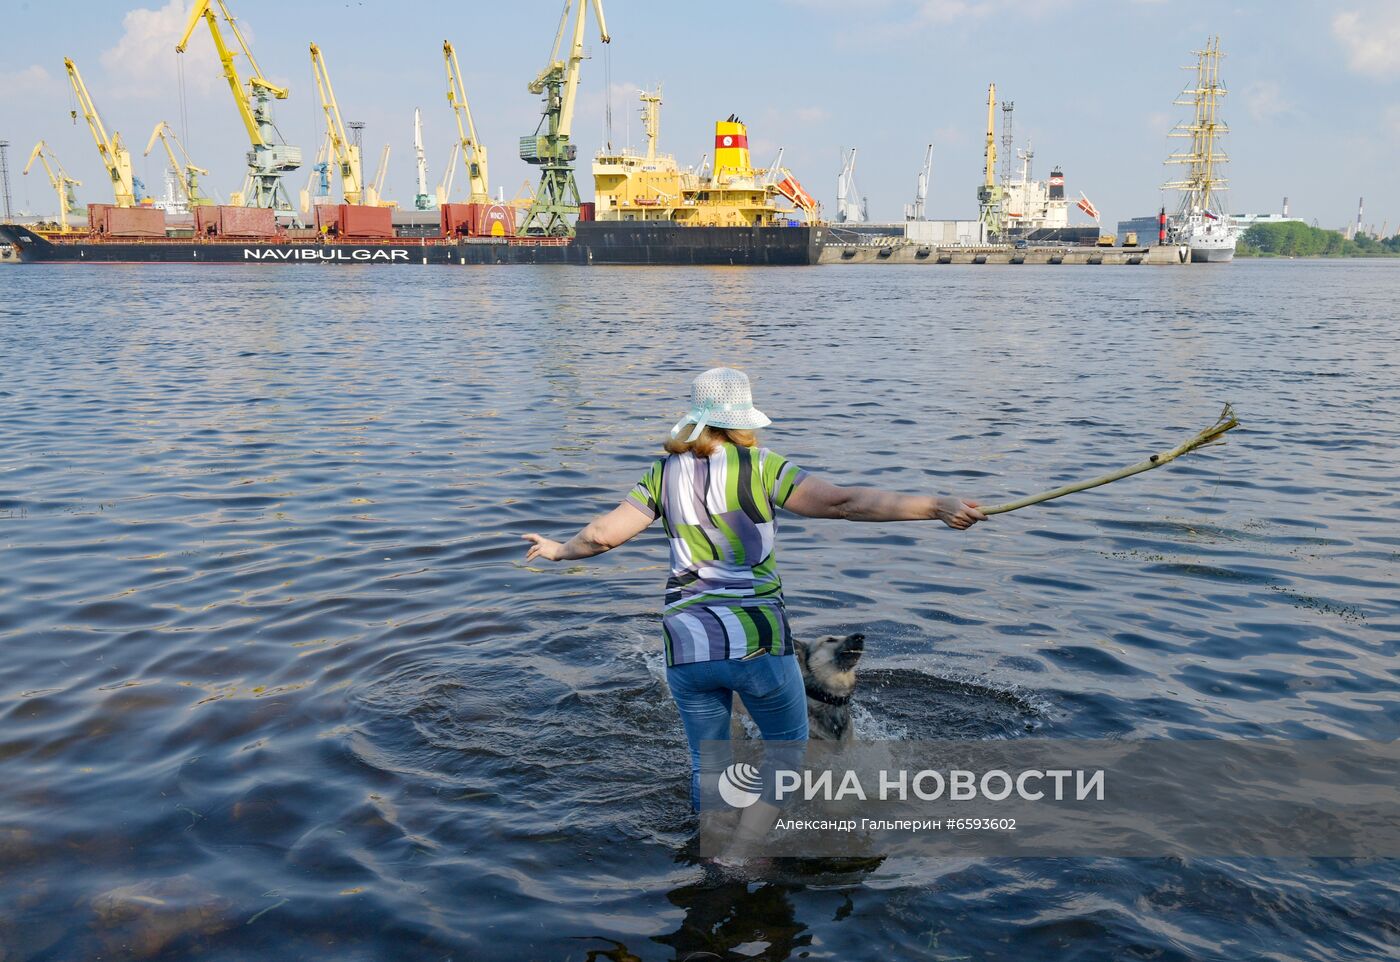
(957, 512)
(542, 547)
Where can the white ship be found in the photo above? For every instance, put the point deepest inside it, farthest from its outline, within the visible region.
(1211, 236)
(1202, 221)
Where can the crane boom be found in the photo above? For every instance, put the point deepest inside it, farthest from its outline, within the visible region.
(989, 175)
(449, 176)
(989, 195)
(322, 169)
(346, 154)
(58, 178)
(422, 200)
(377, 191)
(557, 199)
(473, 153)
(115, 157)
(186, 173)
(269, 159)
(915, 211)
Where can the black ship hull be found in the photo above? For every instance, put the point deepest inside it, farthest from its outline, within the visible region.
(612, 242)
(662, 242)
(1080, 236)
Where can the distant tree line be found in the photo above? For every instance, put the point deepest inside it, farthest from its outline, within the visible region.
(1296, 239)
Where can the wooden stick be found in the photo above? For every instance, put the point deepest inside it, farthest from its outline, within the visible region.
(1213, 433)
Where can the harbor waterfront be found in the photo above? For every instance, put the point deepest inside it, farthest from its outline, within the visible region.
(635, 244)
(275, 683)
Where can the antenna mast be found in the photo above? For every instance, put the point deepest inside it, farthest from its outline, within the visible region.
(5, 178)
(1008, 107)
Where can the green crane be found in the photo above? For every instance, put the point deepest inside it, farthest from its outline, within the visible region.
(556, 204)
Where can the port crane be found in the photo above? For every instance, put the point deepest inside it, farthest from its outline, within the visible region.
(449, 176)
(989, 194)
(473, 153)
(268, 159)
(556, 203)
(915, 211)
(421, 200)
(60, 181)
(186, 174)
(320, 178)
(377, 191)
(851, 208)
(116, 159)
(348, 162)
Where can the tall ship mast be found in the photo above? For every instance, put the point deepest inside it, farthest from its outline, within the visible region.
(1202, 221)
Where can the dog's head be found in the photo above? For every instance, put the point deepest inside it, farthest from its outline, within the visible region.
(830, 663)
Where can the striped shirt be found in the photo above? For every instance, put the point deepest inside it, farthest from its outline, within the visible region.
(724, 598)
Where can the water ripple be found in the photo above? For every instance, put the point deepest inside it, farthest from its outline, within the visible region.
(277, 683)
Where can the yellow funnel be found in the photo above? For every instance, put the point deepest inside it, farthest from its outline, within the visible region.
(732, 148)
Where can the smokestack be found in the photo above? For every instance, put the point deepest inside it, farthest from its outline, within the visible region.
(732, 148)
(1057, 184)
(1285, 206)
(1360, 208)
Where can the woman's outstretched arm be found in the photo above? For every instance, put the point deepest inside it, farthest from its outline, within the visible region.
(815, 498)
(618, 526)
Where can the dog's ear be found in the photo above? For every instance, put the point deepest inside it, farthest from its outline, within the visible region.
(799, 648)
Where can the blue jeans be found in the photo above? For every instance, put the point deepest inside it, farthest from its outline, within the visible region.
(771, 686)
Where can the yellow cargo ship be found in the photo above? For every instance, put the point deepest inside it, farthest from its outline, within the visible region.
(651, 186)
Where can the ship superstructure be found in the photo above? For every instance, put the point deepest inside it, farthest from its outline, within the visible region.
(1028, 204)
(1015, 206)
(1202, 221)
(650, 186)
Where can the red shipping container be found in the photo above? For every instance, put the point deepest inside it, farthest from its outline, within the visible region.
(206, 221)
(361, 220)
(135, 222)
(97, 216)
(247, 222)
(586, 210)
(456, 219)
(492, 220)
(327, 216)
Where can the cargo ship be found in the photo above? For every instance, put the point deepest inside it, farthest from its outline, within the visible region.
(647, 211)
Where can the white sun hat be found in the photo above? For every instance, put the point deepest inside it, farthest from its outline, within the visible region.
(722, 398)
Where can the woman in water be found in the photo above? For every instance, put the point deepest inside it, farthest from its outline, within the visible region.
(725, 625)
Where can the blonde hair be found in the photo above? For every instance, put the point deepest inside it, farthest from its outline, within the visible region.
(709, 440)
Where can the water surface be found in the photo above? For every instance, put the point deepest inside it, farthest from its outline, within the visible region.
(274, 681)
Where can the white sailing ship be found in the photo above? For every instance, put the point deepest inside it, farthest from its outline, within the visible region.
(1202, 221)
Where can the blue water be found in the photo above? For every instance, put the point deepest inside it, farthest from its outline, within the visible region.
(275, 683)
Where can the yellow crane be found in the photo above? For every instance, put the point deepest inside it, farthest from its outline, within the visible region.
(473, 153)
(449, 176)
(557, 199)
(115, 157)
(346, 154)
(989, 194)
(269, 159)
(58, 177)
(376, 193)
(186, 174)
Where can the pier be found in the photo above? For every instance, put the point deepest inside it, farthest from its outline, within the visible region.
(911, 252)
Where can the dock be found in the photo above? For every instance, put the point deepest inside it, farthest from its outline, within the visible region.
(900, 251)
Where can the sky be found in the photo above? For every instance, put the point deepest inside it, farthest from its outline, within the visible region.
(1314, 102)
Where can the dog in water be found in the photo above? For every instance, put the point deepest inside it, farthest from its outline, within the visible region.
(828, 669)
(829, 675)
